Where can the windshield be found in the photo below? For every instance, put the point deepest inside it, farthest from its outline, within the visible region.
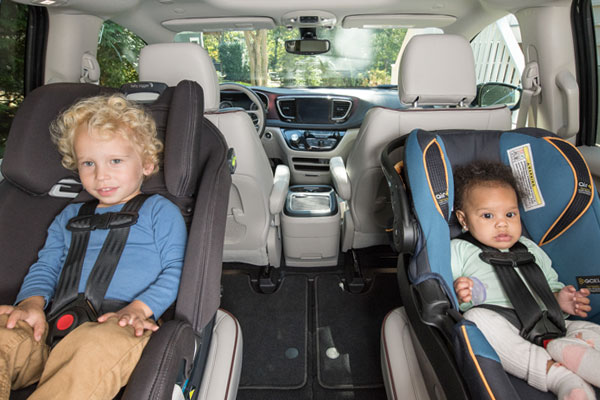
(358, 57)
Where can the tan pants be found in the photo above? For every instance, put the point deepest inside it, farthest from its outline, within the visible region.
(92, 362)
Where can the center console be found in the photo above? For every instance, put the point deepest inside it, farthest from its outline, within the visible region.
(310, 224)
(312, 140)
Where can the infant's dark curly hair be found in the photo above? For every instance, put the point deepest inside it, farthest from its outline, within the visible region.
(481, 172)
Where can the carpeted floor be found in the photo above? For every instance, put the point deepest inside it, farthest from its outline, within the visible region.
(349, 327)
(289, 334)
(274, 329)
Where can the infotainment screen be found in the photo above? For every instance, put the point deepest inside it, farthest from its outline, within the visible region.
(312, 110)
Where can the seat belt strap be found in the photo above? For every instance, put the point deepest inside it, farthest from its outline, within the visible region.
(119, 224)
(536, 324)
(530, 80)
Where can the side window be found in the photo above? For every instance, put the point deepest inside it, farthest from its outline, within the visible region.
(13, 29)
(118, 52)
(499, 61)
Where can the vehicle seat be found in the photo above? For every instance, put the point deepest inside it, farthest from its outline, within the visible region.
(256, 198)
(194, 175)
(436, 83)
(565, 220)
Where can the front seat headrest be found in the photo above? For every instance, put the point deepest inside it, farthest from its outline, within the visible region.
(173, 62)
(437, 70)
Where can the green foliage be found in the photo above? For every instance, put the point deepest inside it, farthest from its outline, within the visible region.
(13, 28)
(118, 52)
(233, 65)
(358, 57)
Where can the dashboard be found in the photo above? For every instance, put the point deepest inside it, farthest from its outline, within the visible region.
(306, 127)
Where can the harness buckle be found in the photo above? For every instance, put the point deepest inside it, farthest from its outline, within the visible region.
(72, 315)
(543, 331)
(109, 220)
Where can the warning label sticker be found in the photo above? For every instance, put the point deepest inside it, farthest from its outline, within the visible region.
(524, 171)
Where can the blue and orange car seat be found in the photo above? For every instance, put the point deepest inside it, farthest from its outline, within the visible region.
(560, 211)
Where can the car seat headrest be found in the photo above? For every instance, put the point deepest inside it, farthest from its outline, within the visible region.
(178, 113)
(173, 62)
(31, 160)
(143, 92)
(437, 70)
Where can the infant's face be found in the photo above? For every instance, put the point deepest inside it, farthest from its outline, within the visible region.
(491, 214)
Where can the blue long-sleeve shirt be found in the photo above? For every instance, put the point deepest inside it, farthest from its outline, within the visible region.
(149, 269)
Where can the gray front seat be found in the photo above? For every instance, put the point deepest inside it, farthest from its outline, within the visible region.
(256, 198)
(436, 83)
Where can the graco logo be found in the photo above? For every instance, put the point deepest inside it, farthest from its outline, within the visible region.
(584, 188)
(589, 282)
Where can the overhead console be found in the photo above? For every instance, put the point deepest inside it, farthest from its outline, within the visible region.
(314, 109)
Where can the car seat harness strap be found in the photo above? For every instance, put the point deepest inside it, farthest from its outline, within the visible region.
(536, 325)
(69, 307)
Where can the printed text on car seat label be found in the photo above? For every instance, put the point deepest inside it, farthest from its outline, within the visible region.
(523, 169)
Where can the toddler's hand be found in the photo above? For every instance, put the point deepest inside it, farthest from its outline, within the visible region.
(30, 310)
(574, 302)
(137, 314)
(463, 287)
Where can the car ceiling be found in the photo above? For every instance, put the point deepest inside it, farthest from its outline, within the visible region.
(145, 17)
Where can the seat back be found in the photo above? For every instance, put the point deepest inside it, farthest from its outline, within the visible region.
(560, 211)
(438, 72)
(249, 219)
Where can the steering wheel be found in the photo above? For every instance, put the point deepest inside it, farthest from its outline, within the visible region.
(259, 113)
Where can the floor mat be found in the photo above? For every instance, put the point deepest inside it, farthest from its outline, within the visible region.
(274, 328)
(348, 328)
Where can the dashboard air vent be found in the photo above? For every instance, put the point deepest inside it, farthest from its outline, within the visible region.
(341, 109)
(287, 108)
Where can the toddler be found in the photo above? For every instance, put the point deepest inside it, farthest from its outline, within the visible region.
(112, 144)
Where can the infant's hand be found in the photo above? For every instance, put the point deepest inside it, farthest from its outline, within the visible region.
(136, 314)
(30, 310)
(574, 302)
(463, 287)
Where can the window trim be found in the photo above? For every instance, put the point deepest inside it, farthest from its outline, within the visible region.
(35, 48)
(582, 22)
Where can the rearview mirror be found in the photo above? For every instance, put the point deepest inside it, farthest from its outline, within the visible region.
(494, 93)
(307, 46)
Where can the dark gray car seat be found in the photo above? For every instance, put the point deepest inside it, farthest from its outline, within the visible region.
(194, 175)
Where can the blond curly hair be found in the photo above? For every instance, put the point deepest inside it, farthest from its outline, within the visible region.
(107, 116)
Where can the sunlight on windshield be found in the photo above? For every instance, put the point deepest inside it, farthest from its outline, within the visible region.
(358, 57)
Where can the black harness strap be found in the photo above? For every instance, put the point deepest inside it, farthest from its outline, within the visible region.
(67, 300)
(537, 325)
(68, 283)
(106, 264)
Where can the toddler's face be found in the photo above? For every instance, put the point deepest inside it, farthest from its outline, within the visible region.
(491, 214)
(111, 169)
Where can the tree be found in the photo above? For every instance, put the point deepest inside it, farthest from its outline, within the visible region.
(13, 28)
(232, 61)
(256, 43)
(118, 52)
